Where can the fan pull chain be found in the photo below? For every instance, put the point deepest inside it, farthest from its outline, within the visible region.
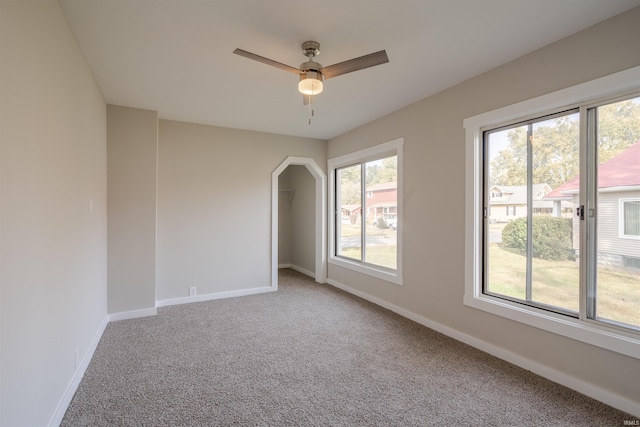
(310, 111)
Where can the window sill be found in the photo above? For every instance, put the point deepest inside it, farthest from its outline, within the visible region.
(586, 331)
(368, 269)
(628, 236)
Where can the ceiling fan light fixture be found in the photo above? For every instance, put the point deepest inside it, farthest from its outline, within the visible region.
(310, 83)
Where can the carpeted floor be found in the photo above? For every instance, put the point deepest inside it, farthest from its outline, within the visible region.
(309, 355)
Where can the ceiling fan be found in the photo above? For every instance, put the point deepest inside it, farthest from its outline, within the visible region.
(312, 73)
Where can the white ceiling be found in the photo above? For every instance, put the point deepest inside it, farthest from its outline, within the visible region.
(175, 56)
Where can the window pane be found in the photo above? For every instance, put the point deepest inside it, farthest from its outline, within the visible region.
(618, 208)
(381, 212)
(555, 237)
(507, 165)
(531, 250)
(349, 212)
(631, 217)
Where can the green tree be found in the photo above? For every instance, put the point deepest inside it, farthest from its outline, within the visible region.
(510, 166)
(555, 145)
(618, 128)
(350, 187)
(384, 170)
(377, 171)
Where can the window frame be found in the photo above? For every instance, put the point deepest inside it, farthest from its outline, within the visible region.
(391, 148)
(512, 210)
(621, 222)
(580, 96)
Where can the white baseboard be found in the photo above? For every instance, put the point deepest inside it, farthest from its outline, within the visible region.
(284, 266)
(217, 295)
(554, 375)
(133, 314)
(61, 409)
(303, 271)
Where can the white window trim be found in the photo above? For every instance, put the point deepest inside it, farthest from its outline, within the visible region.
(388, 148)
(582, 330)
(621, 219)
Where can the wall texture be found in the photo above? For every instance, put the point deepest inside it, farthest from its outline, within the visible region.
(214, 206)
(434, 199)
(53, 198)
(132, 157)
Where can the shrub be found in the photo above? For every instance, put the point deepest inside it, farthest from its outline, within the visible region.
(381, 222)
(551, 237)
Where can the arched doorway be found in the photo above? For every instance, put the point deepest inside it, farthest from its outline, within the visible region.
(320, 217)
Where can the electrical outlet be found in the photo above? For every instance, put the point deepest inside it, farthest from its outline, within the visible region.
(192, 291)
(77, 357)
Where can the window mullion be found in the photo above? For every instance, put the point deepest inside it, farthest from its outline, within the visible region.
(588, 227)
(337, 205)
(529, 252)
(363, 209)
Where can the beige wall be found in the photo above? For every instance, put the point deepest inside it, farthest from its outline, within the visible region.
(53, 231)
(303, 219)
(284, 217)
(297, 219)
(214, 206)
(434, 238)
(132, 147)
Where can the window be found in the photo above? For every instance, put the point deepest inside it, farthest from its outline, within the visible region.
(369, 181)
(630, 262)
(517, 258)
(560, 263)
(630, 217)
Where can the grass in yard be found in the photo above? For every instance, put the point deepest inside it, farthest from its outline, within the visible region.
(619, 292)
(556, 283)
(379, 255)
(350, 230)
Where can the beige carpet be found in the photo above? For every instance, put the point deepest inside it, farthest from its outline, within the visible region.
(309, 355)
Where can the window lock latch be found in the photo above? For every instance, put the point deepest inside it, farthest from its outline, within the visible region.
(580, 212)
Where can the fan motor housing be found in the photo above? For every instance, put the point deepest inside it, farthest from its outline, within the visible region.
(310, 66)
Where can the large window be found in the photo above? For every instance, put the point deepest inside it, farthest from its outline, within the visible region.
(521, 251)
(365, 199)
(569, 165)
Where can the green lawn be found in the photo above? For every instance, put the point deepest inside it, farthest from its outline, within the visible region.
(384, 255)
(379, 255)
(556, 283)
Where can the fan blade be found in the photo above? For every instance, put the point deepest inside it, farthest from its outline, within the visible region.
(355, 64)
(266, 61)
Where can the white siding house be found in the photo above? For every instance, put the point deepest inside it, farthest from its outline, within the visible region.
(508, 202)
(618, 208)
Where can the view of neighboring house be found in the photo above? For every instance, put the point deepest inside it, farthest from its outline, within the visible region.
(351, 212)
(618, 208)
(382, 199)
(508, 202)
